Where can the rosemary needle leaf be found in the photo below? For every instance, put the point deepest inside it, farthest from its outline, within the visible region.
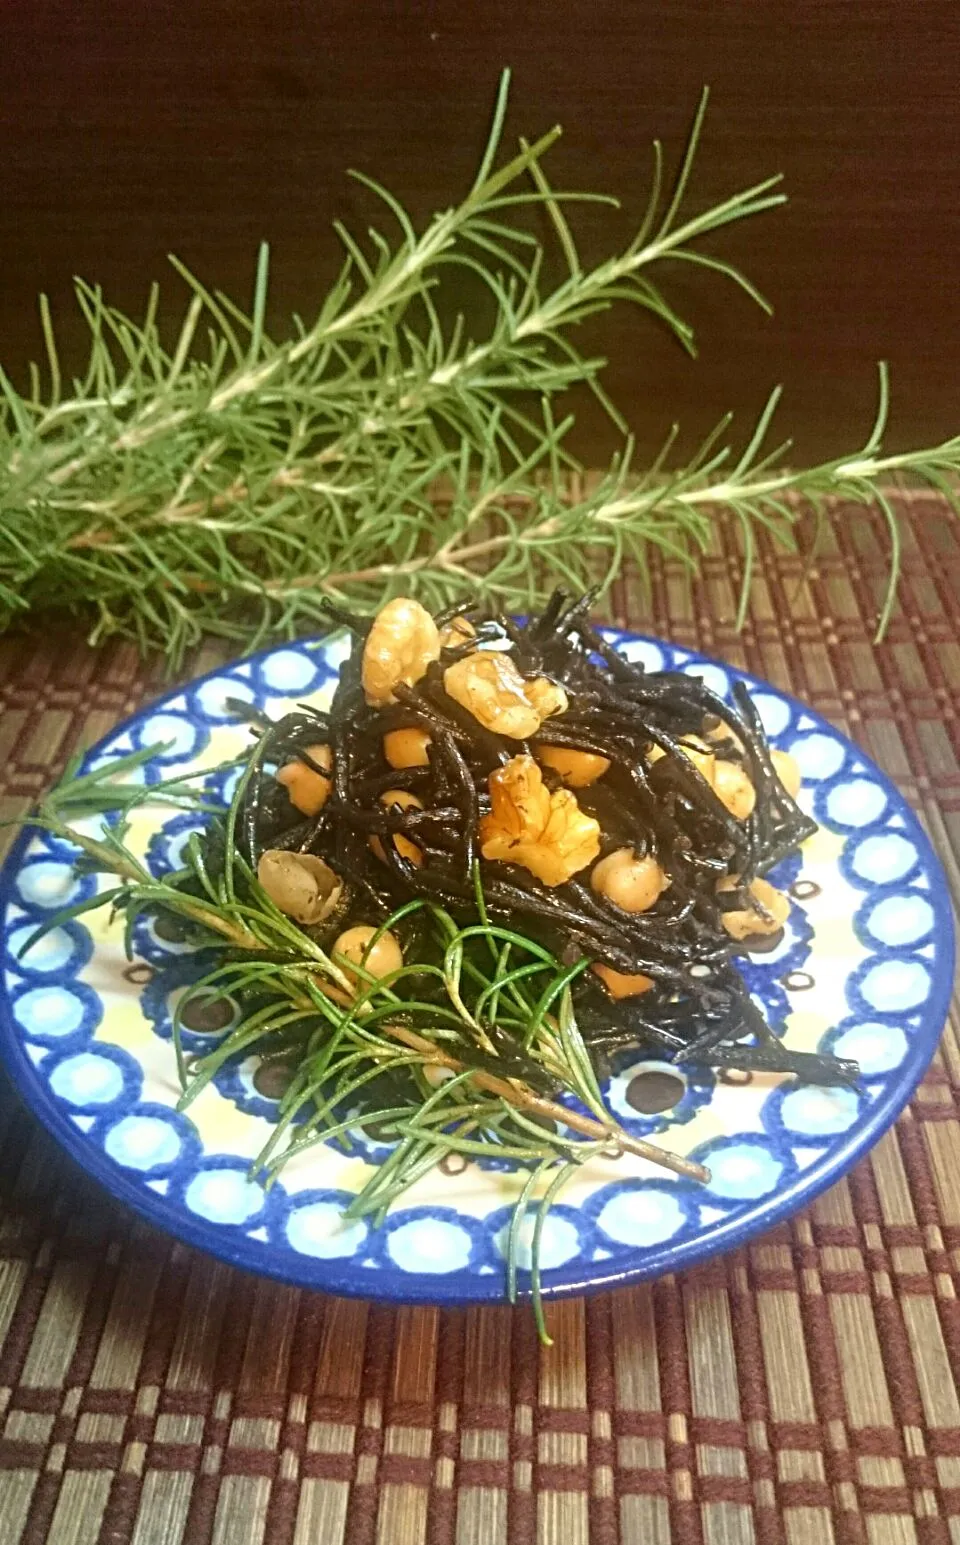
(227, 485)
(344, 1049)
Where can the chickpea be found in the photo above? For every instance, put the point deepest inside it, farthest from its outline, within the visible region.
(787, 769)
(457, 631)
(704, 761)
(402, 642)
(578, 769)
(385, 957)
(632, 884)
(622, 984)
(300, 884)
(546, 696)
(720, 731)
(745, 922)
(308, 790)
(733, 788)
(407, 748)
(728, 780)
(696, 751)
(403, 845)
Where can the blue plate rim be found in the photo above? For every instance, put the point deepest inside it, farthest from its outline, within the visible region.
(346, 1279)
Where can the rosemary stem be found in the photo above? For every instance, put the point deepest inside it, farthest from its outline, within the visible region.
(524, 1099)
(223, 486)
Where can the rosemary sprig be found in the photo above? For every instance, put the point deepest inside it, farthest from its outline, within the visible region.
(427, 1028)
(628, 516)
(226, 484)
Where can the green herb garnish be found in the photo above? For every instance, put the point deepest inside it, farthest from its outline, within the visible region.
(411, 1054)
(227, 484)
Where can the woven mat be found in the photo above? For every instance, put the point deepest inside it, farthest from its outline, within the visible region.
(802, 1391)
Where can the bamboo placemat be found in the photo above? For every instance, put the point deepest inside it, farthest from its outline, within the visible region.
(802, 1391)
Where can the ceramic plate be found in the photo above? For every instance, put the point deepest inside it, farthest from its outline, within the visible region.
(864, 969)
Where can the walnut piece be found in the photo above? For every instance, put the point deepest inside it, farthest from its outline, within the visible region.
(490, 687)
(459, 630)
(546, 696)
(402, 642)
(546, 833)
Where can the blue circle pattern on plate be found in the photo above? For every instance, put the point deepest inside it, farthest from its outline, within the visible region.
(90, 1091)
(151, 946)
(64, 1015)
(169, 982)
(631, 1215)
(57, 956)
(150, 1140)
(879, 1048)
(312, 1223)
(625, 1066)
(166, 848)
(178, 732)
(220, 1191)
(47, 883)
(221, 786)
(567, 1234)
(764, 971)
(235, 1081)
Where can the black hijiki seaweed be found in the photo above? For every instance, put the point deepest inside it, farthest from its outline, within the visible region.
(699, 1012)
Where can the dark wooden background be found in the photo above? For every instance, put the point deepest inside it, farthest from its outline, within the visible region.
(129, 130)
